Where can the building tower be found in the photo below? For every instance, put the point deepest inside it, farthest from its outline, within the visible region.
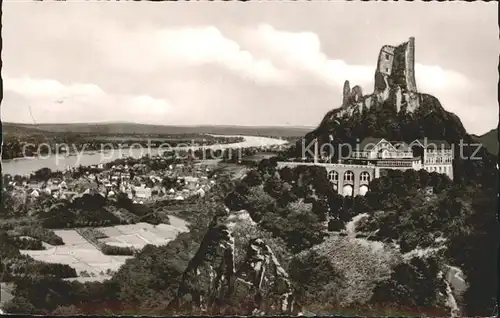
(395, 75)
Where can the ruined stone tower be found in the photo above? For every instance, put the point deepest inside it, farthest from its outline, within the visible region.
(397, 63)
(394, 82)
(395, 73)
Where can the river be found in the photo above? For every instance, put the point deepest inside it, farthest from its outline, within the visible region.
(25, 166)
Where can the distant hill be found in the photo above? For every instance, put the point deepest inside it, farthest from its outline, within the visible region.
(19, 129)
(133, 128)
(489, 140)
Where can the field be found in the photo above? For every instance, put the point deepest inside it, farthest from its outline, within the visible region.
(84, 257)
(140, 234)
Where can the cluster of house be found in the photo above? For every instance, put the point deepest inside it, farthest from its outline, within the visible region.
(139, 184)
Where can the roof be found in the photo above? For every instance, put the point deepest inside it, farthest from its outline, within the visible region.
(369, 141)
(400, 145)
(432, 143)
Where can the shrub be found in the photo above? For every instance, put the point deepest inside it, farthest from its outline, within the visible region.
(36, 268)
(117, 250)
(40, 233)
(28, 244)
(335, 225)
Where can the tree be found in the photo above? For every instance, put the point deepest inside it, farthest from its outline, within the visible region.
(20, 305)
(274, 186)
(242, 188)
(286, 174)
(43, 174)
(321, 209)
(259, 202)
(360, 205)
(311, 274)
(236, 201)
(412, 285)
(253, 178)
(267, 166)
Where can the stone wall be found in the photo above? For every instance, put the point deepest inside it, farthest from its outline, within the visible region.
(355, 182)
(386, 59)
(346, 93)
(374, 172)
(410, 66)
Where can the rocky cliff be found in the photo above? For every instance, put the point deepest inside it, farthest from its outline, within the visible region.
(395, 110)
(235, 270)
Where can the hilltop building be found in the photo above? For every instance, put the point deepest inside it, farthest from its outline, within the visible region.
(373, 156)
(431, 155)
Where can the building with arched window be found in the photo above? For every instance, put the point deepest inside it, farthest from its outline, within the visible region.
(431, 155)
(373, 155)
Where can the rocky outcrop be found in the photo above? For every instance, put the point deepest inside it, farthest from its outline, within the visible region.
(261, 275)
(394, 76)
(356, 94)
(346, 93)
(234, 270)
(393, 110)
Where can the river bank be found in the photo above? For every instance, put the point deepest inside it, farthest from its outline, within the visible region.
(25, 166)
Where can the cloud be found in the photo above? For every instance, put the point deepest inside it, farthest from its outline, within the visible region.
(49, 100)
(301, 52)
(147, 50)
(432, 78)
(49, 88)
(302, 55)
(208, 66)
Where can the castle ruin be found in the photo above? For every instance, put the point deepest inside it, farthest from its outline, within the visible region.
(396, 67)
(394, 80)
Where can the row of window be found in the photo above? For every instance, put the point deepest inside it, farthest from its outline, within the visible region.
(333, 176)
(445, 169)
(393, 154)
(438, 150)
(382, 155)
(438, 160)
(394, 164)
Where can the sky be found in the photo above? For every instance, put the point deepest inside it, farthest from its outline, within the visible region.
(233, 63)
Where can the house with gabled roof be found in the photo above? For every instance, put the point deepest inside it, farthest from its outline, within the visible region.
(436, 155)
(431, 155)
(379, 148)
